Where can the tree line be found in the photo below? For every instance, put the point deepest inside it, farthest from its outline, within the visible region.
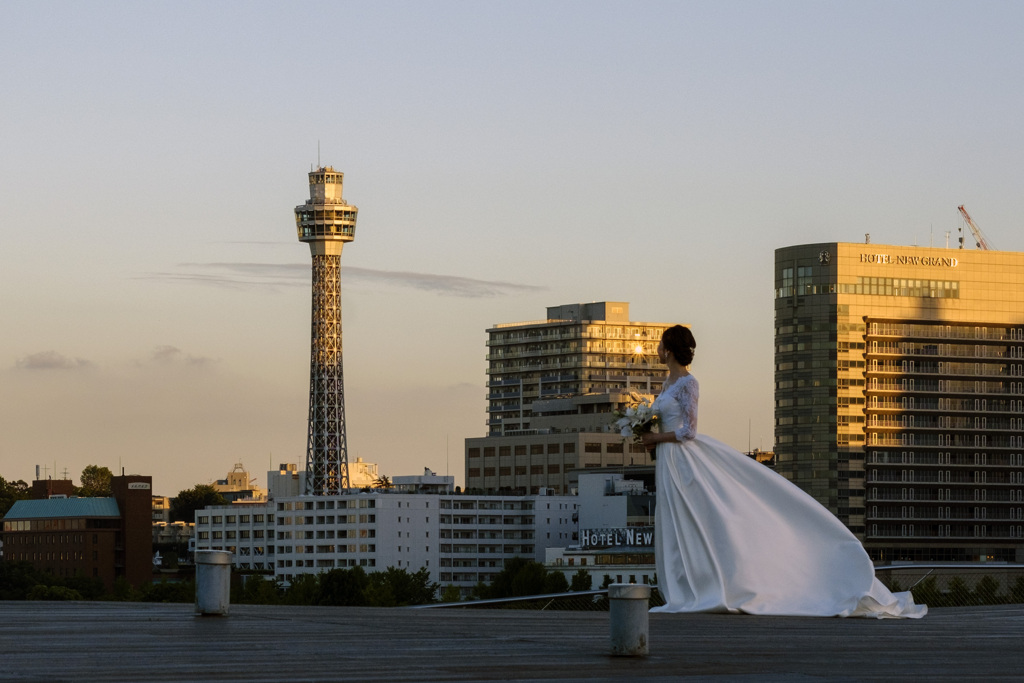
(353, 586)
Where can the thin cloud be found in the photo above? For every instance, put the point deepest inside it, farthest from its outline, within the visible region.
(450, 285)
(237, 275)
(51, 360)
(172, 355)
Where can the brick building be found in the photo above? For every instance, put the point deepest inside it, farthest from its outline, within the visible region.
(104, 538)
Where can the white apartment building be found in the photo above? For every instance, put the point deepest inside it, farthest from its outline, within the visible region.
(460, 539)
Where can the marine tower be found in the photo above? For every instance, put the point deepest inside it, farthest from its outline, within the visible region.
(325, 222)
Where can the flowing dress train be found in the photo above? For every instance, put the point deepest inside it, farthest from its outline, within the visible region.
(733, 536)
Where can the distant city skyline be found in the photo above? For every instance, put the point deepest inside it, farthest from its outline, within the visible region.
(505, 157)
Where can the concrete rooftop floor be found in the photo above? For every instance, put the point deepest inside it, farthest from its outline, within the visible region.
(97, 641)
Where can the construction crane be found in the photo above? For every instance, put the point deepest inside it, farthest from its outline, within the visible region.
(979, 236)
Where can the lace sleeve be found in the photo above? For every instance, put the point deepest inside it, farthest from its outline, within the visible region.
(686, 393)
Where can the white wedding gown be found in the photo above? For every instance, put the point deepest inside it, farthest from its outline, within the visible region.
(733, 536)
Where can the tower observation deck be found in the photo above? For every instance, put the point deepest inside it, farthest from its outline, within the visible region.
(325, 222)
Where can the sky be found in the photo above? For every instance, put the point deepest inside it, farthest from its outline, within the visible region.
(504, 156)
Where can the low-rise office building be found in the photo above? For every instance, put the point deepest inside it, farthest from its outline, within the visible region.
(103, 538)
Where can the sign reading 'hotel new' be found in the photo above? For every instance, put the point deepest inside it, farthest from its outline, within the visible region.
(639, 537)
(906, 260)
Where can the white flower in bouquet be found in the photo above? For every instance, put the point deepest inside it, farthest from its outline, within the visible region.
(637, 419)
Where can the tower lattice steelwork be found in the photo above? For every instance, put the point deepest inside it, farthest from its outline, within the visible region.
(326, 222)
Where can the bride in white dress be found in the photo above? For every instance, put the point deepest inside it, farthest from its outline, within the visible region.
(733, 536)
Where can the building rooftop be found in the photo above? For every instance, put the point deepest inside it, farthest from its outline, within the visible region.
(112, 641)
(57, 508)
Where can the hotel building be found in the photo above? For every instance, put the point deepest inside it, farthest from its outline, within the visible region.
(899, 395)
(552, 387)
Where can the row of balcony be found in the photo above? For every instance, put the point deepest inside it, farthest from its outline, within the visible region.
(995, 370)
(961, 424)
(956, 535)
(953, 333)
(914, 440)
(976, 478)
(474, 549)
(464, 520)
(557, 332)
(645, 367)
(909, 386)
(909, 494)
(952, 518)
(928, 406)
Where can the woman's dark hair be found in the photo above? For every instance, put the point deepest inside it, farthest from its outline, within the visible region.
(678, 341)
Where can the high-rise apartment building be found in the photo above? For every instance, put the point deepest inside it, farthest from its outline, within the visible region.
(552, 387)
(899, 394)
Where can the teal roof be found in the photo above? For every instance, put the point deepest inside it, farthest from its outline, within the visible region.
(57, 508)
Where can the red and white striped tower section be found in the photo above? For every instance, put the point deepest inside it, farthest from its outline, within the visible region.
(325, 222)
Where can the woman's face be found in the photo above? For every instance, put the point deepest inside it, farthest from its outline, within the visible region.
(662, 355)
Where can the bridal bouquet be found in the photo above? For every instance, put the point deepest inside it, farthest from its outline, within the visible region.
(637, 419)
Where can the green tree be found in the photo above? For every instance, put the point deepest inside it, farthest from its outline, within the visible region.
(17, 579)
(382, 482)
(124, 591)
(169, 591)
(95, 482)
(451, 593)
(89, 587)
(960, 594)
(581, 581)
(255, 590)
(378, 592)
(304, 589)
(409, 588)
(480, 591)
(185, 504)
(1017, 591)
(555, 582)
(927, 593)
(41, 592)
(987, 591)
(343, 587)
(522, 576)
(10, 493)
